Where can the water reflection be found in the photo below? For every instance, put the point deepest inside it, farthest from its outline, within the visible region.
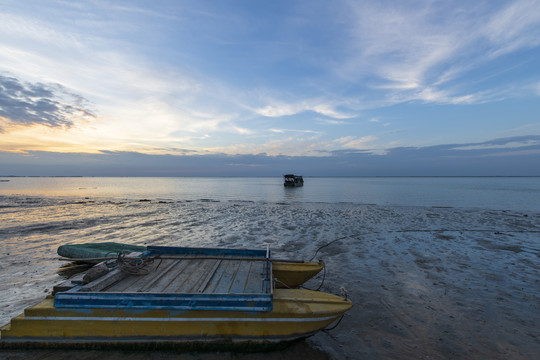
(293, 193)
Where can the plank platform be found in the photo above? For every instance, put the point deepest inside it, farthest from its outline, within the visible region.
(185, 278)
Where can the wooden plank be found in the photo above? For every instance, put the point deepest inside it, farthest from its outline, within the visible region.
(188, 278)
(238, 285)
(211, 288)
(106, 280)
(136, 283)
(254, 284)
(123, 284)
(225, 282)
(151, 280)
(196, 278)
(166, 277)
(130, 281)
(209, 277)
(177, 275)
(65, 285)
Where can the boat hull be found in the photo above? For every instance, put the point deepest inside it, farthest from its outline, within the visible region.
(296, 314)
(294, 274)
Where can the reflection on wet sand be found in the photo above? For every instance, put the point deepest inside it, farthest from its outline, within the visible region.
(426, 282)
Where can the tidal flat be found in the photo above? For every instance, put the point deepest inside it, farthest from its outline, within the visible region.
(426, 282)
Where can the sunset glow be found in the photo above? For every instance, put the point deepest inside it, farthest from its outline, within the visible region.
(303, 79)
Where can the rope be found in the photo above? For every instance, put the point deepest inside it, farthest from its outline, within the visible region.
(324, 275)
(344, 292)
(330, 243)
(136, 266)
(496, 232)
(282, 283)
(335, 326)
(346, 295)
(323, 278)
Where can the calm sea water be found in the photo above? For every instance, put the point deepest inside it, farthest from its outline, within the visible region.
(501, 193)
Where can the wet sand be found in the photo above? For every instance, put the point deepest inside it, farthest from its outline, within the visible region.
(426, 283)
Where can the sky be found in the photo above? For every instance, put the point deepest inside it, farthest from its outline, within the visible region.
(263, 88)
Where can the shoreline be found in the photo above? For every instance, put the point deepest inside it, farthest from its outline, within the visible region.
(426, 283)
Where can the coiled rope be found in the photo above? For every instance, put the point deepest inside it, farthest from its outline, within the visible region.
(136, 266)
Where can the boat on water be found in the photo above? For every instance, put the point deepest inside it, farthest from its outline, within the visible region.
(286, 273)
(291, 180)
(186, 298)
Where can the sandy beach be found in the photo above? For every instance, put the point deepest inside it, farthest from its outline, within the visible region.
(426, 282)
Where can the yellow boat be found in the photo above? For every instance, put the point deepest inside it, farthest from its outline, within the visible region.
(296, 314)
(217, 298)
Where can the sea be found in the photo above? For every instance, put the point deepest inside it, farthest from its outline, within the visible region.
(498, 193)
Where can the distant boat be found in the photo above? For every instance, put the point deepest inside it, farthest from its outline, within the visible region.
(292, 180)
(188, 298)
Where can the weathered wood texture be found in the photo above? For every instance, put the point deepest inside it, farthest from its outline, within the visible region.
(204, 276)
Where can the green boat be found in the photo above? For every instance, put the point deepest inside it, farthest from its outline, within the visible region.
(97, 250)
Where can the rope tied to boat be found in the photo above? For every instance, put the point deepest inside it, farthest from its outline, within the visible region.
(323, 278)
(344, 293)
(136, 265)
(346, 297)
(335, 326)
(276, 280)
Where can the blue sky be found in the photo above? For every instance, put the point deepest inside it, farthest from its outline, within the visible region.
(264, 88)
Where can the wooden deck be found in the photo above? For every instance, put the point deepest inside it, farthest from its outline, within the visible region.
(184, 281)
(206, 276)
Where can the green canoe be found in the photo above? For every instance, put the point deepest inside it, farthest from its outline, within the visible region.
(97, 250)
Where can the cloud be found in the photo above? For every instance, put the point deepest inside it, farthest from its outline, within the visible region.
(331, 121)
(27, 104)
(162, 84)
(514, 27)
(505, 143)
(279, 109)
(356, 143)
(439, 160)
(400, 43)
(417, 51)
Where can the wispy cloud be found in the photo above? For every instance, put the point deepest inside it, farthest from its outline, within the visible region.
(331, 121)
(279, 109)
(356, 143)
(505, 143)
(415, 51)
(514, 27)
